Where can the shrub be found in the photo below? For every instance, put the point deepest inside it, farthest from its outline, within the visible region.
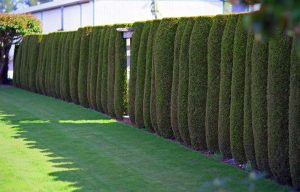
(40, 64)
(44, 64)
(140, 76)
(213, 82)
(17, 64)
(23, 68)
(198, 81)
(93, 66)
(59, 64)
(138, 29)
(184, 83)
(175, 81)
(111, 71)
(259, 73)
(65, 86)
(225, 86)
(278, 95)
(163, 52)
(153, 115)
(120, 90)
(248, 131)
(237, 93)
(74, 66)
(148, 76)
(105, 70)
(36, 39)
(83, 67)
(294, 118)
(99, 68)
(53, 60)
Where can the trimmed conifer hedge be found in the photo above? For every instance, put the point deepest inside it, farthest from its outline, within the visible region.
(163, 51)
(83, 67)
(213, 83)
(198, 81)
(248, 131)
(148, 76)
(259, 74)
(237, 92)
(111, 71)
(120, 88)
(140, 76)
(74, 66)
(93, 65)
(105, 70)
(138, 27)
(35, 42)
(278, 99)
(294, 118)
(225, 86)
(175, 82)
(99, 68)
(183, 85)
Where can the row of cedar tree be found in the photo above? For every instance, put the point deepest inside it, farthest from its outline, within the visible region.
(204, 81)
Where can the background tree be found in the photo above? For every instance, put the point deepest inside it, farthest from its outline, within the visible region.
(12, 29)
(11, 5)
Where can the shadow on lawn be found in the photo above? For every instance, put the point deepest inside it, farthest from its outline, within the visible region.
(75, 147)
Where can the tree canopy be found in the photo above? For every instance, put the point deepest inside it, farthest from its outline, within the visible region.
(12, 28)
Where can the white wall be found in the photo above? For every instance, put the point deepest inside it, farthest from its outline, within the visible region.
(123, 11)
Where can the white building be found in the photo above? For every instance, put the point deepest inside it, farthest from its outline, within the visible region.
(72, 14)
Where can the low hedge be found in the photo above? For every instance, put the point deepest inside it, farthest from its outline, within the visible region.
(198, 81)
(225, 86)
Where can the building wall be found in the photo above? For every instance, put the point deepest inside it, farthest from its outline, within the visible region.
(104, 12)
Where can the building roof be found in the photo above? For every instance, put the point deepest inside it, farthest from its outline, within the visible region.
(51, 5)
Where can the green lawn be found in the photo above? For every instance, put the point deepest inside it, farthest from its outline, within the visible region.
(50, 145)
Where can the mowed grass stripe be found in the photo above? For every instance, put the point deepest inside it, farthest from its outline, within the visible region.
(50, 145)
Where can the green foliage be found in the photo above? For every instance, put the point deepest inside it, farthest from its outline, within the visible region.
(225, 85)
(153, 114)
(35, 42)
(248, 130)
(93, 65)
(83, 67)
(148, 76)
(65, 79)
(140, 76)
(135, 44)
(294, 118)
(184, 83)
(175, 81)
(259, 73)
(198, 81)
(213, 83)
(237, 92)
(59, 64)
(17, 64)
(99, 68)
(163, 52)
(278, 103)
(74, 66)
(52, 69)
(120, 87)
(105, 70)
